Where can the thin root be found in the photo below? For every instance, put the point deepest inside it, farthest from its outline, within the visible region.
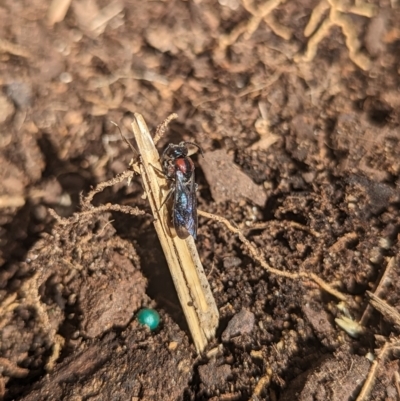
(86, 201)
(160, 130)
(256, 255)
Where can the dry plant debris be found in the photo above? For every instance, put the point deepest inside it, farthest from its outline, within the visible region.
(338, 9)
(389, 312)
(389, 347)
(317, 29)
(264, 12)
(247, 28)
(376, 296)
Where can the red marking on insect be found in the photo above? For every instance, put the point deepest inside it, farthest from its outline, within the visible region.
(185, 165)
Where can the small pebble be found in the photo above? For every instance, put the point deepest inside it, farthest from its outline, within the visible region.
(65, 77)
(173, 345)
(231, 261)
(241, 323)
(149, 317)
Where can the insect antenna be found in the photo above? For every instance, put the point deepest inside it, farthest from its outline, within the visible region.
(197, 146)
(134, 151)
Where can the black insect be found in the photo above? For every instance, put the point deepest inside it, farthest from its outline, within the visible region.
(179, 167)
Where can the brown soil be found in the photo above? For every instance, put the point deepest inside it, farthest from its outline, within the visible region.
(296, 105)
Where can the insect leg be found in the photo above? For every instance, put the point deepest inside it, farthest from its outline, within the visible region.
(167, 197)
(159, 171)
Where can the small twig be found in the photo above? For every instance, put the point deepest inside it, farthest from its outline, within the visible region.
(385, 309)
(369, 382)
(378, 292)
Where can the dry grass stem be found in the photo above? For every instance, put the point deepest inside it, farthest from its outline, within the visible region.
(369, 382)
(390, 313)
(187, 272)
(376, 301)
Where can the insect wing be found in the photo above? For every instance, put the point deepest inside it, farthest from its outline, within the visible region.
(184, 209)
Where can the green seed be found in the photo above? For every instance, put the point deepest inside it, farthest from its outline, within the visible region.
(149, 317)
